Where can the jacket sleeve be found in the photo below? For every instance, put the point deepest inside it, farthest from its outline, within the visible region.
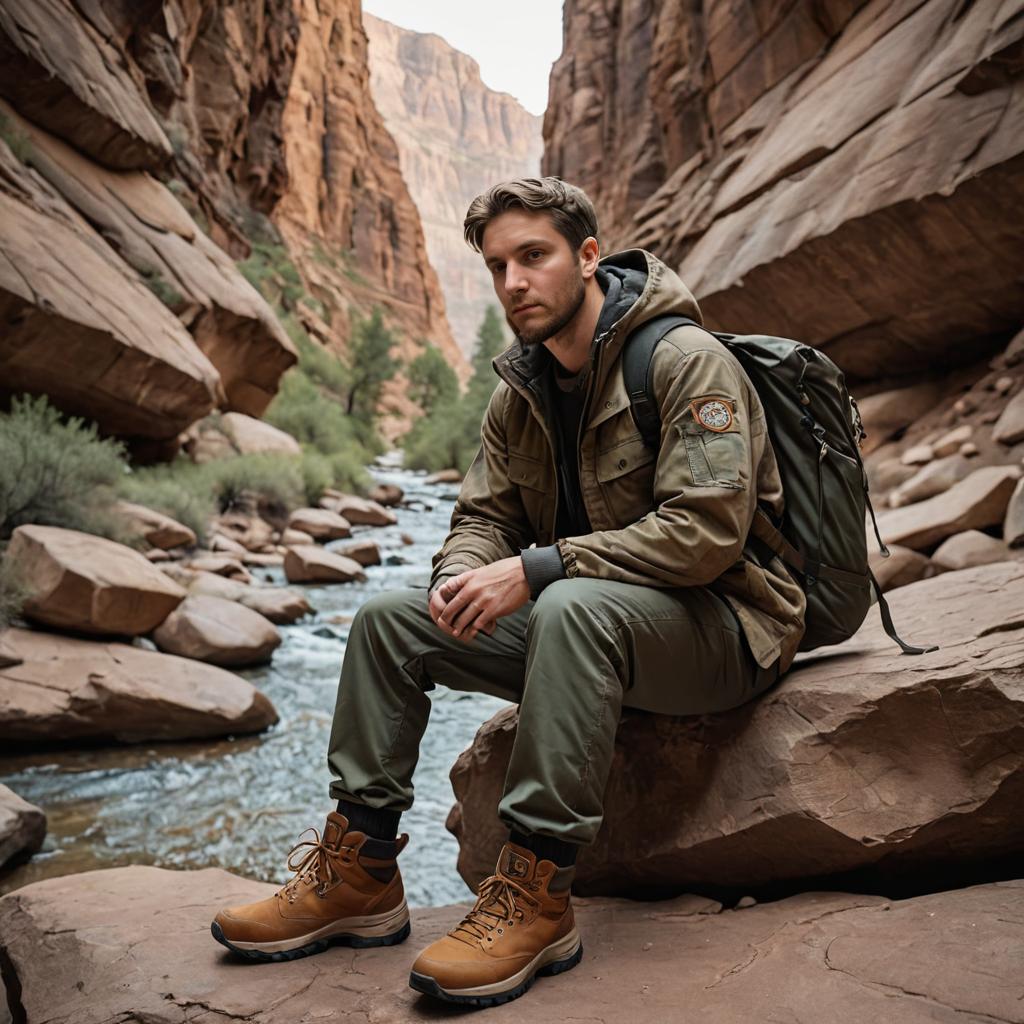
(489, 522)
(705, 480)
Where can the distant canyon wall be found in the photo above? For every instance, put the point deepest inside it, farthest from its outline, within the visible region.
(846, 173)
(456, 137)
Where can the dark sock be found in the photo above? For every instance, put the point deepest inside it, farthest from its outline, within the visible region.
(378, 822)
(546, 847)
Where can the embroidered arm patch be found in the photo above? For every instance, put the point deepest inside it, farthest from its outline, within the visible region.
(713, 413)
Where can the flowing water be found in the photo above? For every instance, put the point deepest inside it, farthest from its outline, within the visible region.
(240, 804)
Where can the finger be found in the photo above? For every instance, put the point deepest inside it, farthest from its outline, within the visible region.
(455, 605)
(467, 617)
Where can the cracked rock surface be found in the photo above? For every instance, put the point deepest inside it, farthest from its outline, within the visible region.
(133, 944)
(896, 769)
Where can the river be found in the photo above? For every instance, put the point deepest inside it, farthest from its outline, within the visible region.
(240, 804)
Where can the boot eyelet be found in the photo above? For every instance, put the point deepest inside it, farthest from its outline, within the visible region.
(501, 931)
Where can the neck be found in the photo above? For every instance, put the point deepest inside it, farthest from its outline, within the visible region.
(571, 346)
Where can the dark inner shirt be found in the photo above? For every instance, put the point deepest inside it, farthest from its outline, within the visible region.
(568, 398)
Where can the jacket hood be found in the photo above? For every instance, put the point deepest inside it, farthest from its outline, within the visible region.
(637, 287)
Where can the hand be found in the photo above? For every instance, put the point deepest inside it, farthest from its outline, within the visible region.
(438, 601)
(476, 599)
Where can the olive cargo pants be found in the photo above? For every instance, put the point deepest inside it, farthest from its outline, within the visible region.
(572, 660)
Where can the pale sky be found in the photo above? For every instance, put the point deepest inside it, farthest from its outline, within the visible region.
(515, 43)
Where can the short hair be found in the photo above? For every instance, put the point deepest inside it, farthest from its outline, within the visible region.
(568, 207)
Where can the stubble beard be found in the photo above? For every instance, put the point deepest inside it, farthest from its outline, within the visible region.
(568, 305)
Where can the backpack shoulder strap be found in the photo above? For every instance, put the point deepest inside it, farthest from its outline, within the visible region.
(636, 373)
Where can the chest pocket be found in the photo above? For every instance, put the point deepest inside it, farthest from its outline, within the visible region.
(535, 489)
(626, 475)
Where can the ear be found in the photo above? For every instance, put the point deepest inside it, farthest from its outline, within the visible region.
(589, 256)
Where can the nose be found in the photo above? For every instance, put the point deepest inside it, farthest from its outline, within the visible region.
(515, 279)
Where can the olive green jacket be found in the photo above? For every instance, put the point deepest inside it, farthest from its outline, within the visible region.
(676, 518)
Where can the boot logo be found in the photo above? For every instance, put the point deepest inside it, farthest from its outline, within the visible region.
(516, 866)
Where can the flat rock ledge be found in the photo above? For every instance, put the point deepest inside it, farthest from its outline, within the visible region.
(864, 768)
(133, 944)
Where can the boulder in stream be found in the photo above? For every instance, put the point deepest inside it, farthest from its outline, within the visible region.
(65, 690)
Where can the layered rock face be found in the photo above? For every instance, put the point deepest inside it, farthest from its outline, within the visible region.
(456, 138)
(847, 174)
(258, 118)
(347, 215)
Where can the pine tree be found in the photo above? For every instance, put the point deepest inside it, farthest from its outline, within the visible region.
(370, 364)
(432, 382)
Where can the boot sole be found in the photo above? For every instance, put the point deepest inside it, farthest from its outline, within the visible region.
(253, 952)
(493, 995)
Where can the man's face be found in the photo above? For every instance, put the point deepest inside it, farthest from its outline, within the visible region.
(537, 277)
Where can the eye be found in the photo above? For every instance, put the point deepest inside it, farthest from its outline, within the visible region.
(497, 268)
(534, 254)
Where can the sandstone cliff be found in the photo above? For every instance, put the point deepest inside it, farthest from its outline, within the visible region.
(138, 136)
(346, 214)
(455, 137)
(848, 173)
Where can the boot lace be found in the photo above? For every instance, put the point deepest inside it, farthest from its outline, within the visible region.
(499, 901)
(314, 864)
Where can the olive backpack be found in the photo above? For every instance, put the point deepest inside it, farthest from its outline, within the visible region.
(815, 430)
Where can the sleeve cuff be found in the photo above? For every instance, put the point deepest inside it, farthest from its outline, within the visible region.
(541, 567)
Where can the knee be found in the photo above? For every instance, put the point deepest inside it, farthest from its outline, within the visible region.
(566, 601)
(391, 606)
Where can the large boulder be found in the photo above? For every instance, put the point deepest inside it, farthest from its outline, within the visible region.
(320, 523)
(66, 690)
(933, 478)
(1009, 428)
(278, 604)
(251, 436)
(888, 412)
(245, 532)
(311, 564)
(22, 827)
(863, 763)
(977, 501)
(900, 567)
(84, 949)
(219, 631)
(88, 584)
(365, 552)
(358, 511)
(969, 549)
(153, 233)
(68, 301)
(156, 528)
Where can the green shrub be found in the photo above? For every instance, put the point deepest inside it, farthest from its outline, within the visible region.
(174, 490)
(163, 289)
(270, 270)
(13, 592)
(57, 472)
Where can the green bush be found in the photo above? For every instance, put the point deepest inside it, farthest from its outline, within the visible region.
(12, 593)
(57, 472)
(270, 270)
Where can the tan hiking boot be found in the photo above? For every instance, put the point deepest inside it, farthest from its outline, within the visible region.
(519, 928)
(345, 890)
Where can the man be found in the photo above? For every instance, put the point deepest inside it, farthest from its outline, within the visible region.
(583, 573)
